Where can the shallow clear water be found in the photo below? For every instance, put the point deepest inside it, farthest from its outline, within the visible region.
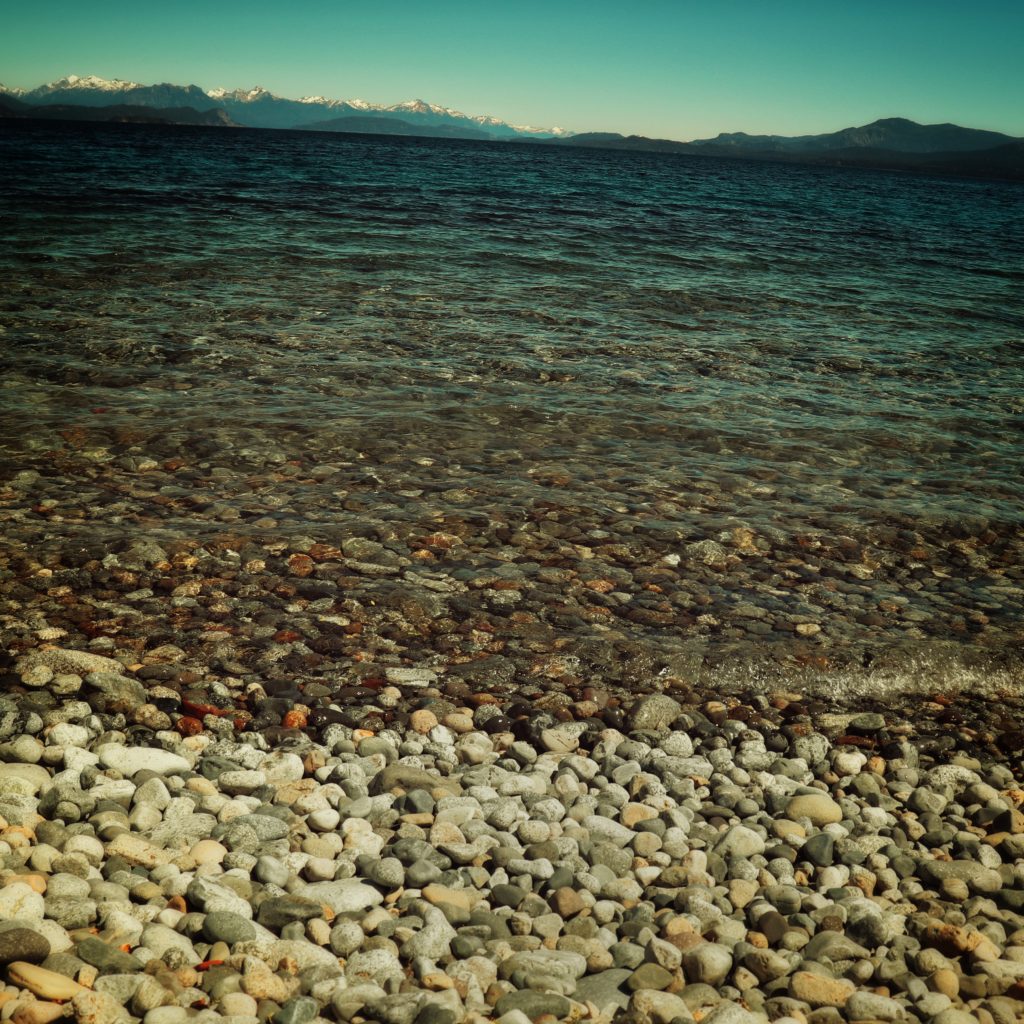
(647, 349)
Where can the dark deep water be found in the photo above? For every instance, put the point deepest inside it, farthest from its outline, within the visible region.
(580, 363)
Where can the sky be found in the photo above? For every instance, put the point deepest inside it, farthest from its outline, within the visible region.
(663, 68)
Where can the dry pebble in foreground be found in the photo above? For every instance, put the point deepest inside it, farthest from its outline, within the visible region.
(668, 861)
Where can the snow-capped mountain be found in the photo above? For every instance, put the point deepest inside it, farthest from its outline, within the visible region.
(92, 91)
(88, 83)
(259, 108)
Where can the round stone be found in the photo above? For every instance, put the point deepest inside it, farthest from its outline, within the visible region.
(225, 926)
(819, 808)
(23, 944)
(208, 851)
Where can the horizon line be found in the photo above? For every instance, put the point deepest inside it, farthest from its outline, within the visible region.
(4, 86)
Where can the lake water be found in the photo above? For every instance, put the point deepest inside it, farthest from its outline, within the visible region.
(729, 420)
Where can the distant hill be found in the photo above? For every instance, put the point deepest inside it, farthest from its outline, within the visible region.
(892, 134)
(11, 107)
(891, 144)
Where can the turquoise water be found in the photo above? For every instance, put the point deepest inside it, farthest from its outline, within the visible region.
(645, 349)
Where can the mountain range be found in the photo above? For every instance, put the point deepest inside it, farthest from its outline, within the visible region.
(894, 143)
(258, 108)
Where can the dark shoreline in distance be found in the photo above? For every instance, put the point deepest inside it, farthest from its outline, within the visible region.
(1000, 163)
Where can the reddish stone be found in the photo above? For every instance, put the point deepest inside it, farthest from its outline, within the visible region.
(300, 565)
(294, 720)
(855, 741)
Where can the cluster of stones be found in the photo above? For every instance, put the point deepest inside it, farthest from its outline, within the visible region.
(543, 610)
(409, 575)
(684, 867)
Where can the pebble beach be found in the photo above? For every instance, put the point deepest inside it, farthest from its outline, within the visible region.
(180, 845)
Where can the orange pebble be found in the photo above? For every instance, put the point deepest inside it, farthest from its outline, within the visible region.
(189, 726)
(294, 720)
(35, 882)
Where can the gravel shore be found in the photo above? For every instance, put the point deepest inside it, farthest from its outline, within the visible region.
(182, 845)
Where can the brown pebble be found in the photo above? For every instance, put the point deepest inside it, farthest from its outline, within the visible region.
(945, 981)
(422, 721)
(567, 902)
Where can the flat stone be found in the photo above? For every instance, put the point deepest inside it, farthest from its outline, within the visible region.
(107, 958)
(70, 911)
(433, 940)
(129, 760)
(956, 939)
(248, 832)
(260, 982)
(111, 692)
(97, 1008)
(60, 661)
(20, 902)
(276, 912)
(41, 982)
(820, 991)
(227, 926)
(343, 896)
(373, 965)
(505, 894)
(388, 872)
(740, 841)
(403, 778)
(979, 878)
(432, 1012)
(23, 944)
(654, 713)
(168, 1015)
(766, 965)
(456, 904)
(533, 1004)
(559, 741)
(835, 946)
(867, 724)
(566, 902)
(867, 1006)
(305, 954)
(819, 849)
(604, 989)
(137, 851)
(542, 969)
(650, 976)
(707, 552)
(1002, 974)
(298, 1010)
(208, 851)
(728, 1012)
(159, 939)
(34, 777)
(411, 676)
(819, 808)
(709, 963)
(659, 1007)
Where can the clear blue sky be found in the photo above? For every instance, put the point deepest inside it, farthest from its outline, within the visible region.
(669, 68)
